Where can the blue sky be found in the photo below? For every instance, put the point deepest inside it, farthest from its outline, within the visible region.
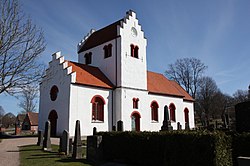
(216, 31)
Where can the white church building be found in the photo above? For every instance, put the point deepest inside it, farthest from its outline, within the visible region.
(109, 83)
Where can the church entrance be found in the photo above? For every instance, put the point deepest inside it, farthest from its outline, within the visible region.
(53, 122)
(135, 121)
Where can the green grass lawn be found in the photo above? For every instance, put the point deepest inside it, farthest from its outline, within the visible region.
(33, 155)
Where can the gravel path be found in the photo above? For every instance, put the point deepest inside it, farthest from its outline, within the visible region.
(9, 149)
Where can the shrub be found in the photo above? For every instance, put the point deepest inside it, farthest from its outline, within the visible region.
(168, 148)
(240, 146)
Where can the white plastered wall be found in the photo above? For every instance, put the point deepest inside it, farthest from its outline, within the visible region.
(133, 70)
(58, 74)
(106, 65)
(145, 99)
(81, 109)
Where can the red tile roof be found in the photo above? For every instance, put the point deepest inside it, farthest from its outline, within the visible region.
(89, 75)
(159, 84)
(183, 91)
(33, 117)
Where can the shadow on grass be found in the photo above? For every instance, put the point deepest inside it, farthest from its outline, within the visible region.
(70, 160)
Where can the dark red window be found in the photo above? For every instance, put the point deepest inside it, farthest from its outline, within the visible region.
(135, 103)
(172, 112)
(97, 109)
(154, 111)
(132, 47)
(186, 115)
(107, 51)
(88, 58)
(53, 93)
(134, 51)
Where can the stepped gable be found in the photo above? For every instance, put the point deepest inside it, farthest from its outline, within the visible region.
(159, 84)
(108, 33)
(89, 75)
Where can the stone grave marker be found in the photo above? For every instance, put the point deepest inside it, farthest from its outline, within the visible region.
(77, 145)
(64, 144)
(40, 138)
(47, 141)
(120, 125)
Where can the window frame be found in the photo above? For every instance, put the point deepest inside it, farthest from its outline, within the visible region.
(154, 111)
(172, 110)
(97, 115)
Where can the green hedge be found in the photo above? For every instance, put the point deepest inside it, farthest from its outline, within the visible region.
(168, 148)
(240, 146)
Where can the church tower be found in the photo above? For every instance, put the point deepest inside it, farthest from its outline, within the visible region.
(133, 53)
(119, 50)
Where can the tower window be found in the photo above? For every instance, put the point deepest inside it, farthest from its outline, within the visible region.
(107, 50)
(135, 103)
(134, 51)
(132, 47)
(88, 57)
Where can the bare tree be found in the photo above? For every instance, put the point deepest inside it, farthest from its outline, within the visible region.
(187, 72)
(21, 43)
(8, 120)
(2, 112)
(206, 94)
(240, 96)
(28, 99)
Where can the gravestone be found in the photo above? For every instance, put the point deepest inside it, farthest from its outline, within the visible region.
(94, 148)
(64, 142)
(77, 145)
(40, 138)
(70, 146)
(94, 131)
(179, 127)
(120, 125)
(46, 141)
(187, 126)
(166, 126)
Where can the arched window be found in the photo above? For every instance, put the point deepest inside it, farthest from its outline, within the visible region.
(132, 47)
(88, 57)
(97, 108)
(136, 50)
(154, 111)
(172, 112)
(54, 93)
(135, 103)
(186, 115)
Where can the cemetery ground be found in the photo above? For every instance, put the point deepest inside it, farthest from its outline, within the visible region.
(33, 155)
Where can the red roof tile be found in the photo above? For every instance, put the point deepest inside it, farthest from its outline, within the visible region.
(33, 117)
(159, 84)
(89, 75)
(186, 95)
